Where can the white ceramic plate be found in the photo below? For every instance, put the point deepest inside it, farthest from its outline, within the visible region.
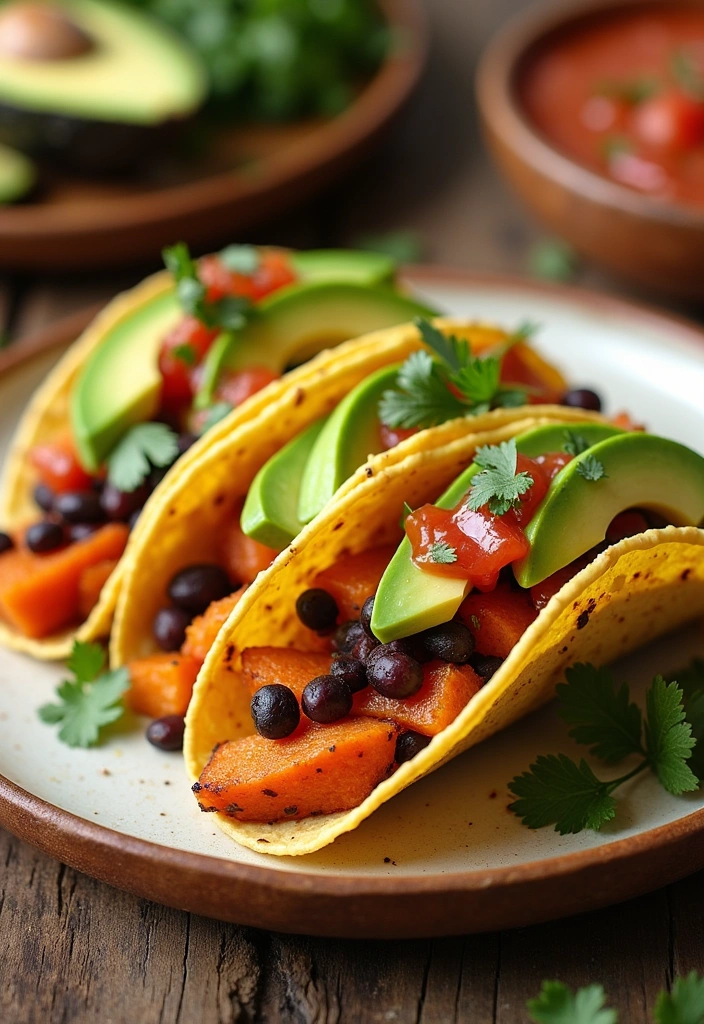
(446, 855)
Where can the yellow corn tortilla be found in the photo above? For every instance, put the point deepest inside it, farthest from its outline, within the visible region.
(184, 525)
(633, 592)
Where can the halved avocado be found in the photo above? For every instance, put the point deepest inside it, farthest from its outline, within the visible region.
(270, 510)
(344, 265)
(17, 175)
(642, 471)
(349, 436)
(120, 384)
(299, 321)
(97, 105)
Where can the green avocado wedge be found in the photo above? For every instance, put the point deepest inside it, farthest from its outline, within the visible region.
(270, 509)
(558, 437)
(641, 471)
(349, 436)
(299, 321)
(120, 384)
(352, 265)
(18, 175)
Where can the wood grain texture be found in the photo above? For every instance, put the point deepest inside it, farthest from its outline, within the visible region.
(73, 951)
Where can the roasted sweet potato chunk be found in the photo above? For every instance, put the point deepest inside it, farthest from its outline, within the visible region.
(93, 579)
(161, 684)
(498, 619)
(201, 633)
(264, 665)
(354, 578)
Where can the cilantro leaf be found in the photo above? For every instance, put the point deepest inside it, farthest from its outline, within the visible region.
(443, 553)
(668, 738)
(603, 717)
(684, 1004)
(591, 469)
(423, 398)
(455, 353)
(575, 444)
(478, 380)
(231, 312)
(241, 259)
(556, 1004)
(185, 354)
(88, 702)
(143, 446)
(694, 710)
(556, 790)
(509, 398)
(498, 485)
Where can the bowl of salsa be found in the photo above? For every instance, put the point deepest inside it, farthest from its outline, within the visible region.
(595, 113)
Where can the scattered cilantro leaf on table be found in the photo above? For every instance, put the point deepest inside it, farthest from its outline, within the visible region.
(143, 446)
(602, 716)
(591, 469)
(557, 791)
(89, 701)
(668, 738)
(557, 1004)
(498, 485)
(684, 1004)
(443, 553)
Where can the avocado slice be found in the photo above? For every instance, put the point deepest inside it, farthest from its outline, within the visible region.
(642, 471)
(270, 509)
(349, 436)
(344, 265)
(299, 321)
(18, 175)
(120, 383)
(410, 599)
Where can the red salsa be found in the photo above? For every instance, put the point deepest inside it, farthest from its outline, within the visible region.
(623, 94)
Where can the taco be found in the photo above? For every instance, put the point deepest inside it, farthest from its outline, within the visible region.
(228, 514)
(431, 605)
(197, 349)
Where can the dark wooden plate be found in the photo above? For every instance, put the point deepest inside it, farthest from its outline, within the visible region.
(251, 172)
(442, 858)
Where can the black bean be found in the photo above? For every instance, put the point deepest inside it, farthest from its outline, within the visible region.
(317, 609)
(347, 635)
(197, 586)
(44, 536)
(119, 505)
(326, 699)
(410, 645)
(485, 665)
(275, 711)
(79, 507)
(394, 674)
(582, 398)
(6, 543)
(364, 647)
(44, 497)
(365, 616)
(167, 733)
(350, 670)
(409, 744)
(79, 531)
(450, 641)
(169, 628)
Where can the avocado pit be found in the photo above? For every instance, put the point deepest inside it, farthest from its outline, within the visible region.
(41, 32)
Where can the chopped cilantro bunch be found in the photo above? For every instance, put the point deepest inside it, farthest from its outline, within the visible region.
(498, 485)
(89, 701)
(231, 312)
(432, 389)
(558, 791)
(557, 1004)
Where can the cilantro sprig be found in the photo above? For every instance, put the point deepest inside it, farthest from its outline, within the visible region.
(443, 553)
(498, 485)
(557, 791)
(431, 389)
(591, 469)
(143, 446)
(231, 312)
(557, 1004)
(89, 701)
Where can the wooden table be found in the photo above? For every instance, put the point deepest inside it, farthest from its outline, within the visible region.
(73, 950)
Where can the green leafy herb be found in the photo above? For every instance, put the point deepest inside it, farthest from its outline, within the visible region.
(498, 485)
(686, 72)
(591, 469)
(443, 553)
(556, 1004)
(214, 414)
(575, 444)
(143, 446)
(684, 1004)
(240, 259)
(231, 312)
(632, 90)
(185, 354)
(422, 398)
(553, 260)
(401, 246)
(556, 790)
(89, 701)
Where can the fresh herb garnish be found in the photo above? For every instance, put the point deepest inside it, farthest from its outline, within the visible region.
(575, 444)
(240, 259)
(498, 485)
(591, 469)
(556, 790)
(557, 1004)
(142, 447)
(443, 553)
(455, 383)
(89, 701)
(185, 354)
(553, 260)
(231, 312)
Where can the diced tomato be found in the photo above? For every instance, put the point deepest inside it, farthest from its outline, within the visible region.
(522, 365)
(236, 387)
(59, 468)
(553, 462)
(274, 272)
(391, 436)
(542, 592)
(194, 339)
(624, 420)
(670, 121)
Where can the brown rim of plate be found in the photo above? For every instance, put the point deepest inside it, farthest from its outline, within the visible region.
(355, 906)
(498, 100)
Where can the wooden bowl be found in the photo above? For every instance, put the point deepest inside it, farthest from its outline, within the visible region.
(651, 241)
(251, 172)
